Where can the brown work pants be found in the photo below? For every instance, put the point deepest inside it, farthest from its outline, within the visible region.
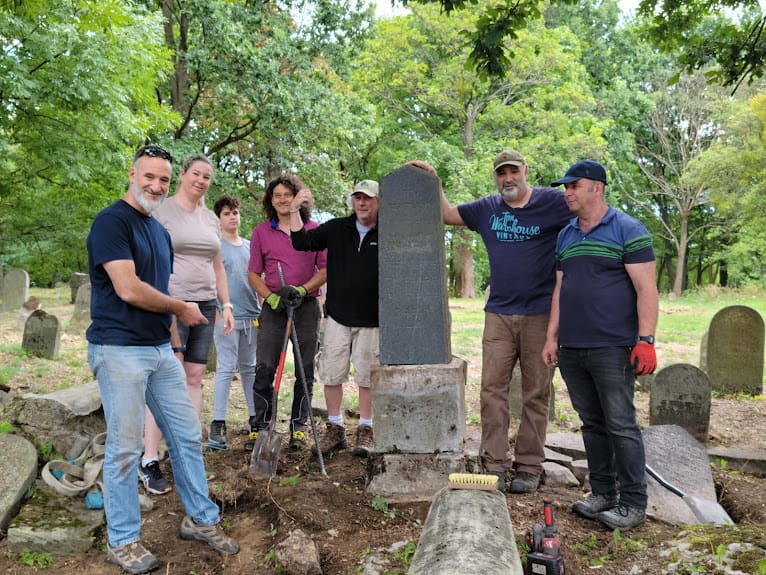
(508, 339)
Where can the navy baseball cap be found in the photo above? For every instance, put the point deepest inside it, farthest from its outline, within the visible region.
(583, 169)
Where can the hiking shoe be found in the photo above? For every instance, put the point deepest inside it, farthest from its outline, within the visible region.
(622, 517)
(334, 438)
(298, 440)
(154, 482)
(500, 480)
(594, 504)
(525, 482)
(364, 441)
(216, 435)
(213, 535)
(133, 558)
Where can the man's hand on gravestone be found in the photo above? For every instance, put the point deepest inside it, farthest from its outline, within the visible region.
(275, 302)
(643, 358)
(292, 295)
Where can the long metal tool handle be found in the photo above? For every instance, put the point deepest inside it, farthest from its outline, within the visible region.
(662, 481)
(302, 374)
(306, 395)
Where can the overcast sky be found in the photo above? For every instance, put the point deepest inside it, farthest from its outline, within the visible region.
(383, 7)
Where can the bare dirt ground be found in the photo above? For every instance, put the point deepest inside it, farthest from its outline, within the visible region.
(348, 525)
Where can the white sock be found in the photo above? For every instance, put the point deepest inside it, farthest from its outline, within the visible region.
(335, 419)
(145, 462)
(363, 421)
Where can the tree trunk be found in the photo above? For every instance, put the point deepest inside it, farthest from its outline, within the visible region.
(683, 240)
(462, 260)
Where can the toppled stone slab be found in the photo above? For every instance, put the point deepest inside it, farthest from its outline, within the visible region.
(570, 444)
(18, 469)
(682, 461)
(747, 460)
(55, 524)
(467, 532)
(412, 477)
(67, 419)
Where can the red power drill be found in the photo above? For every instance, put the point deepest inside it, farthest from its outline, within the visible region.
(544, 557)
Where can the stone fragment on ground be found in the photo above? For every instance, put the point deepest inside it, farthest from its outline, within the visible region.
(557, 475)
(18, 470)
(570, 444)
(298, 555)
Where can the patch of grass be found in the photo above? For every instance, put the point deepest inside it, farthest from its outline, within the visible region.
(7, 427)
(30, 559)
(379, 503)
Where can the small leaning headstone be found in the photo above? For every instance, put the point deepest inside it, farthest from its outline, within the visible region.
(82, 299)
(15, 289)
(680, 395)
(735, 351)
(75, 281)
(42, 335)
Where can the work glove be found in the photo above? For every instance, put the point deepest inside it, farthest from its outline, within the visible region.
(291, 295)
(275, 302)
(643, 358)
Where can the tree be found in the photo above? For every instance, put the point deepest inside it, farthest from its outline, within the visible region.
(77, 93)
(681, 127)
(433, 106)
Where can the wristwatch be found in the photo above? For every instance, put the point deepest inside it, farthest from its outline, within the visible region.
(647, 338)
(180, 349)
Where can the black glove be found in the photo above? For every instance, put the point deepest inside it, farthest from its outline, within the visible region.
(292, 296)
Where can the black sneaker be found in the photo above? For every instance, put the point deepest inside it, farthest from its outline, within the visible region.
(298, 440)
(251, 439)
(525, 482)
(216, 435)
(622, 517)
(594, 504)
(154, 481)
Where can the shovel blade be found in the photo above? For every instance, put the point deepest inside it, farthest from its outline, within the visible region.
(707, 511)
(265, 457)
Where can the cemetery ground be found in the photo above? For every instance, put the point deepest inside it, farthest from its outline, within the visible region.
(350, 527)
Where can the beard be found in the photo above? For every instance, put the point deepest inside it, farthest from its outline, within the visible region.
(510, 194)
(143, 201)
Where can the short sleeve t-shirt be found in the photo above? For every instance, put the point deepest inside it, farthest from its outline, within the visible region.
(196, 238)
(120, 232)
(521, 245)
(598, 301)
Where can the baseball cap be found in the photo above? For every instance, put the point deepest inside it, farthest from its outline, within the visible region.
(583, 169)
(508, 157)
(367, 187)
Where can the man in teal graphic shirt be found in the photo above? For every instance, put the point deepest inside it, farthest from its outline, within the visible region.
(519, 226)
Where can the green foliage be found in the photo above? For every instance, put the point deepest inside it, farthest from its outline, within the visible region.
(7, 427)
(32, 559)
(379, 503)
(45, 451)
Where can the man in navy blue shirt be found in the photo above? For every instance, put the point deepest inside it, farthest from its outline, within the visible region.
(601, 335)
(518, 225)
(130, 260)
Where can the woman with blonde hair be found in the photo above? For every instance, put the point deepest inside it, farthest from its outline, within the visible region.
(198, 276)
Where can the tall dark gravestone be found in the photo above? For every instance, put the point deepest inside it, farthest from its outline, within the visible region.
(414, 311)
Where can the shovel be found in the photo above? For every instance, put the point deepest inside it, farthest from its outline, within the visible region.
(704, 510)
(265, 457)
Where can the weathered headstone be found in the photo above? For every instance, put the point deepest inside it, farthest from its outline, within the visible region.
(75, 281)
(682, 461)
(82, 299)
(735, 351)
(680, 395)
(18, 469)
(414, 311)
(42, 335)
(15, 289)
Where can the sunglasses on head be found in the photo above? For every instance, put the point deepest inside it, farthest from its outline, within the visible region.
(153, 152)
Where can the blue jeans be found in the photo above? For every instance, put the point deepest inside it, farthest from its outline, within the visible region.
(236, 349)
(601, 383)
(130, 377)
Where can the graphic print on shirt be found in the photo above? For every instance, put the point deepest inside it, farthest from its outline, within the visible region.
(507, 228)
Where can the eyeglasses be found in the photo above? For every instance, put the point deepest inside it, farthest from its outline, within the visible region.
(153, 152)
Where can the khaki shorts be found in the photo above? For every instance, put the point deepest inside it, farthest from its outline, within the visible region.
(344, 346)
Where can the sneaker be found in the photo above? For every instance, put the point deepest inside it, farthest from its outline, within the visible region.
(298, 440)
(216, 435)
(154, 482)
(525, 482)
(364, 441)
(622, 517)
(213, 535)
(594, 504)
(133, 558)
(334, 438)
(251, 439)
